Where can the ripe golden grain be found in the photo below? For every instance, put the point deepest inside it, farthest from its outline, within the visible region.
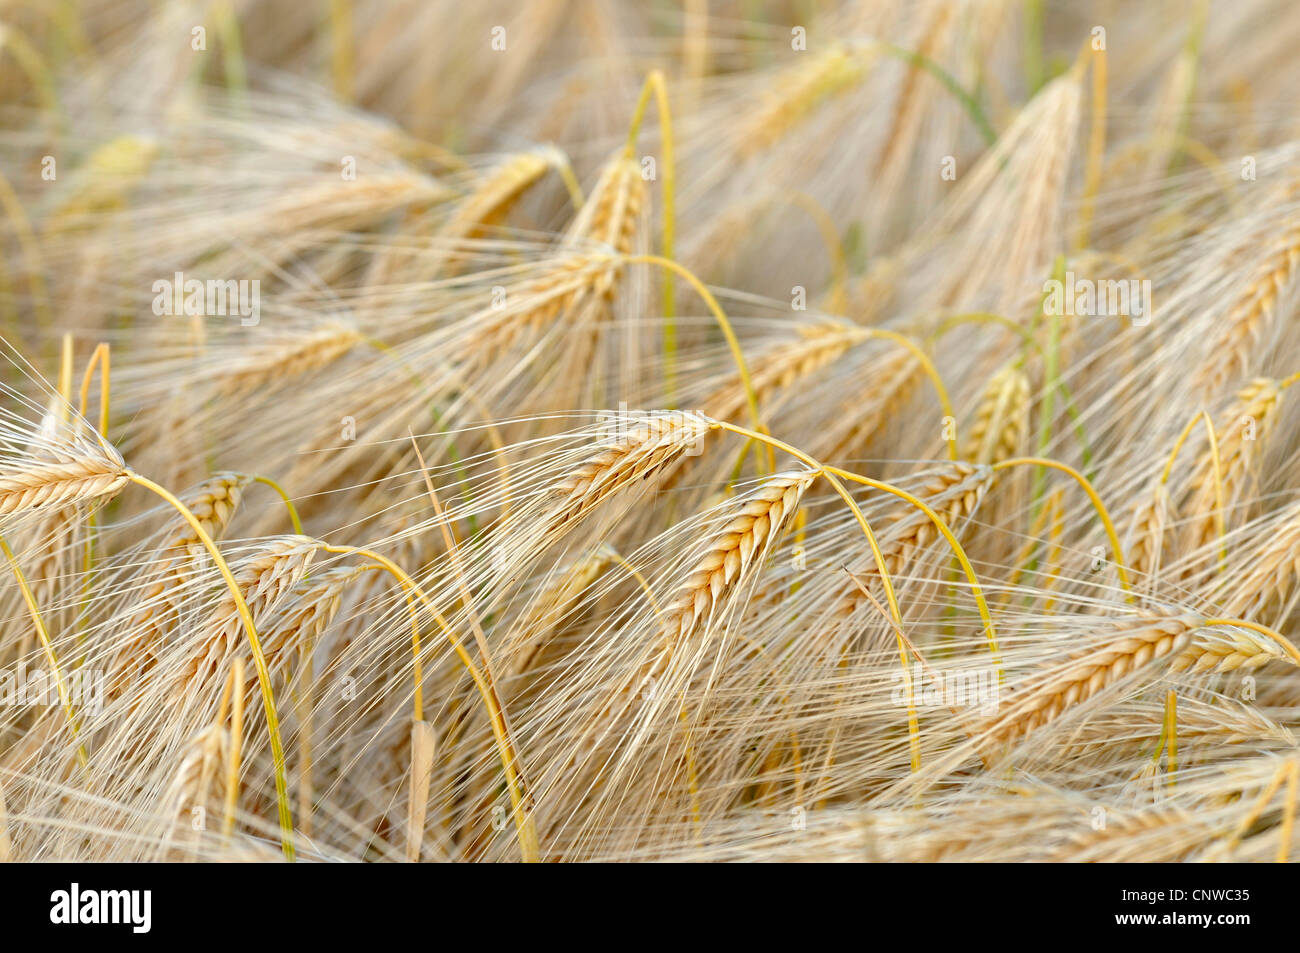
(1001, 423)
(1044, 697)
(1230, 353)
(71, 478)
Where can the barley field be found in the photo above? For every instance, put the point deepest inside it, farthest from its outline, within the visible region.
(634, 430)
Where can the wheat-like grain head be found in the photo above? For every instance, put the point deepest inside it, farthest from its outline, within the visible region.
(55, 478)
(1002, 419)
(649, 444)
(276, 364)
(734, 552)
(1230, 352)
(264, 577)
(1124, 652)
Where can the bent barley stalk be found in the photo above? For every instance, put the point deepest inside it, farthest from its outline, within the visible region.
(213, 504)
(954, 491)
(734, 551)
(729, 560)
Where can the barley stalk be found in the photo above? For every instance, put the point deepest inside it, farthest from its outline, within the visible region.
(733, 552)
(70, 479)
(277, 364)
(1124, 655)
(798, 91)
(263, 578)
(953, 492)
(785, 365)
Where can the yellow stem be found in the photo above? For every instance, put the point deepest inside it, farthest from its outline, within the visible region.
(912, 724)
(1248, 821)
(751, 397)
(43, 634)
(1288, 814)
(1178, 445)
(288, 503)
(837, 301)
(570, 182)
(931, 372)
(1096, 502)
(523, 821)
(259, 658)
(236, 743)
(99, 357)
(1219, 506)
(957, 549)
(979, 317)
(1171, 734)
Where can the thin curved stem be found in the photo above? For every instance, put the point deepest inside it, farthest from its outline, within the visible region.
(1219, 505)
(1178, 446)
(738, 355)
(830, 238)
(877, 555)
(236, 742)
(288, 503)
(259, 657)
(99, 357)
(1288, 812)
(524, 823)
(931, 372)
(48, 646)
(565, 169)
(1100, 507)
(1171, 735)
(981, 317)
(957, 549)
